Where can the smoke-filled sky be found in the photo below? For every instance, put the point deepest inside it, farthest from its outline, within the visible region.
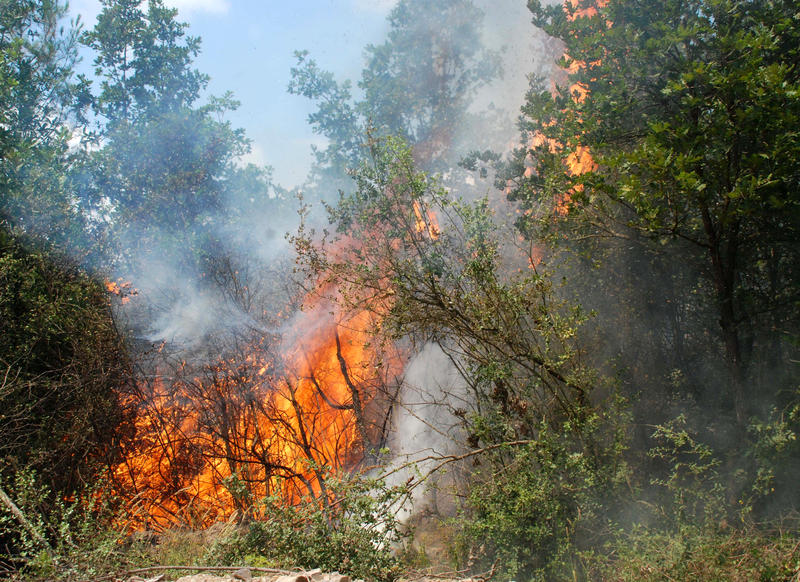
(248, 48)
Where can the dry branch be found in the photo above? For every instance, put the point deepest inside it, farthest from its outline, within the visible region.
(128, 573)
(444, 460)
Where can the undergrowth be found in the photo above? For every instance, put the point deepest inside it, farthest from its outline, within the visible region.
(686, 524)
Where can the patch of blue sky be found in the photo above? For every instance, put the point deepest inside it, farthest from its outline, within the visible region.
(248, 48)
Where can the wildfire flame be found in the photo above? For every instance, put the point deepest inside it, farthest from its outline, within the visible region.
(425, 220)
(254, 426)
(577, 162)
(122, 289)
(210, 445)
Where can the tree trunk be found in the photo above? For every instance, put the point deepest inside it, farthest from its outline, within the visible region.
(723, 247)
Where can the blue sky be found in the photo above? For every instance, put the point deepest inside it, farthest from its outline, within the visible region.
(248, 46)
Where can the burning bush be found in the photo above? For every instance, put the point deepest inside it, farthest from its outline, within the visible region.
(213, 441)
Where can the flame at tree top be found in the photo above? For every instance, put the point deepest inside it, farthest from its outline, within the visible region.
(580, 160)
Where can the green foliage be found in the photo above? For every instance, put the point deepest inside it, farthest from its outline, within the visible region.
(62, 369)
(774, 451)
(685, 526)
(355, 531)
(144, 60)
(431, 266)
(63, 366)
(82, 540)
(681, 525)
(165, 173)
(696, 554)
(336, 118)
(534, 505)
(37, 89)
(689, 110)
(39, 97)
(695, 494)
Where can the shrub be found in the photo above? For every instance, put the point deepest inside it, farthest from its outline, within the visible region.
(354, 531)
(531, 507)
(62, 539)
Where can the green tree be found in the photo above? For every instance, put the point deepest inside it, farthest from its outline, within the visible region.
(689, 109)
(164, 158)
(40, 103)
(144, 59)
(417, 85)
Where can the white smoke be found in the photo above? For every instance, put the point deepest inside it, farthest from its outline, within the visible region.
(426, 431)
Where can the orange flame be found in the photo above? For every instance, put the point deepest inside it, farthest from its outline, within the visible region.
(121, 289)
(426, 221)
(212, 445)
(580, 161)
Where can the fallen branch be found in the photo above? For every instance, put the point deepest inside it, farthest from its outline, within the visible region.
(212, 569)
(453, 575)
(128, 573)
(456, 575)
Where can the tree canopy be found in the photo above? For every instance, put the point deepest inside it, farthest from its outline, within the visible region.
(676, 124)
(417, 85)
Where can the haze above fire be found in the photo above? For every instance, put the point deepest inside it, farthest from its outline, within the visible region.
(248, 47)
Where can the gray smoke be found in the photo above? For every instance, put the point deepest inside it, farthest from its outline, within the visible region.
(425, 429)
